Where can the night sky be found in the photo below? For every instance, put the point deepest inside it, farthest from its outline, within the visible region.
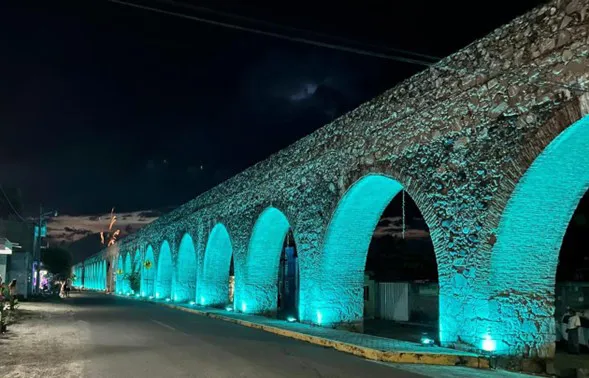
(104, 105)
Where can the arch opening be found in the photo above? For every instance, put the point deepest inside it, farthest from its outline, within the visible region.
(529, 239)
(128, 271)
(369, 253)
(185, 284)
(213, 286)
(148, 273)
(165, 269)
(271, 269)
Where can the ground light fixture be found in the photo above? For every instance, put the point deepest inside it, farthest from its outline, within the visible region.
(229, 308)
(291, 319)
(192, 303)
(167, 299)
(151, 297)
(426, 340)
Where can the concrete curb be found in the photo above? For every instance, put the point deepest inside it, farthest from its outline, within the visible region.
(365, 352)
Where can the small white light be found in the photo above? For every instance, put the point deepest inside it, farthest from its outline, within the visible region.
(489, 345)
(291, 319)
(229, 308)
(192, 303)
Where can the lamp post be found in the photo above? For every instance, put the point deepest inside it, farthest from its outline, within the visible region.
(38, 246)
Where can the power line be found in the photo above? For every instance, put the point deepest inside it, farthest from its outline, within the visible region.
(295, 29)
(10, 203)
(278, 35)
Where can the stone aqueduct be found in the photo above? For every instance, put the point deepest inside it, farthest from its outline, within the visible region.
(492, 144)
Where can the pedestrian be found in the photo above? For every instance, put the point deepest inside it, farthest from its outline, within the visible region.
(68, 287)
(12, 287)
(13, 292)
(573, 325)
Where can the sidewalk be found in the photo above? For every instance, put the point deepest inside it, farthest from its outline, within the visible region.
(363, 345)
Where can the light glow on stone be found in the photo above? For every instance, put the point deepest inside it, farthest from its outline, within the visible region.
(243, 307)
(530, 232)
(260, 289)
(214, 283)
(489, 345)
(185, 283)
(229, 308)
(291, 319)
(338, 288)
(165, 270)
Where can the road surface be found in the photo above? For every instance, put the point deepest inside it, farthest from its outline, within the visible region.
(95, 335)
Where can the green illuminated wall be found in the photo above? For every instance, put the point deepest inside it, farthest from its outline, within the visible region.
(185, 282)
(338, 285)
(213, 286)
(258, 291)
(165, 268)
(460, 141)
(529, 238)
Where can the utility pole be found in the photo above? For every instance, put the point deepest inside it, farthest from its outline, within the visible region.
(37, 254)
(39, 246)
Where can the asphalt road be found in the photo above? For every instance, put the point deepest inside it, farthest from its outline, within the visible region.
(126, 338)
(94, 335)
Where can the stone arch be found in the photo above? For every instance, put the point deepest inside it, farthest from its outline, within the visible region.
(185, 283)
(258, 293)
(165, 269)
(148, 273)
(213, 286)
(337, 290)
(528, 240)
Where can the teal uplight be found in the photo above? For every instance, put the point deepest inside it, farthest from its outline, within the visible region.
(489, 345)
(291, 319)
(128, 270)
(185, 284)
(528, 240)
(202, 300)
(214, 283)
(243, 307)
(259, 288)
(164, 272)
(337, 287)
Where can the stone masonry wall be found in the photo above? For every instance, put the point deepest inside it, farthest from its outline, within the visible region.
(457, 136)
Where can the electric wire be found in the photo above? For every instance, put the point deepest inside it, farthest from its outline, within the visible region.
(10, 204)
(327, 45)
